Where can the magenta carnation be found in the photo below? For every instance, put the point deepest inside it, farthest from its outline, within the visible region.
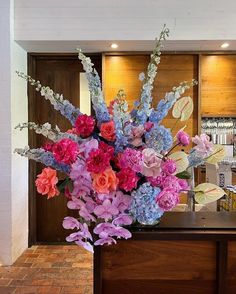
(84, 125)
(167, 199)
(132, 159)
(97, 161)
(127, 179)
(65, 151)
(107, 149)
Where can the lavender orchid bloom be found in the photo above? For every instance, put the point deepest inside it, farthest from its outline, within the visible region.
(85, 245)
(88, 146)
(71, 223)
(122, 201)
(104, 239)
(106, 210)
(120, 232)
(123, 220)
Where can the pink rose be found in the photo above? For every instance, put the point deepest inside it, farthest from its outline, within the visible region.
(136, 136)
(183, 138)
(46, 182)
(167, 199)
(84, 125)
(108, 130)
(151, 163)
(65, 151)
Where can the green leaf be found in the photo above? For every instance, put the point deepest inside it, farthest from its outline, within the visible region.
(207, 193)
(183, 175)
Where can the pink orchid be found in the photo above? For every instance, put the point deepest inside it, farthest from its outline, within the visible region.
(85, 245)
(88, 146)
(106, 240)
(123, 220)
(71, 223)
(122, 201)
(120, 232)
(107, 210)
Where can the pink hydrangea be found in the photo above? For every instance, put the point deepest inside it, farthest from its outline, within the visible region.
(151, 164)
(132, 159)
(84, 125)
(65, 151)
(169, 166)
(167, 199)
(127, 179)
(98, 161)
(203, 145)
(183, 138)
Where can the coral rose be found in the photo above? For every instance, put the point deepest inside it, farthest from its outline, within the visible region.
(105, 182)
(108, 130)
(46, 182)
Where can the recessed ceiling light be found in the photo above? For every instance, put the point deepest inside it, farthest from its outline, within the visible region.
(224, 45)
(114, 46)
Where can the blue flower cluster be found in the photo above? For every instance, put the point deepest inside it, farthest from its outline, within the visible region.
(162, 110)
(67, 110)
(144, 208)
(194, 159)
(159, 138)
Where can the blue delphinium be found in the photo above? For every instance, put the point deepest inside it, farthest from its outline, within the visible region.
(67, 110)
(163, 107)
(144, 208)
(194, 159)
(159, 138)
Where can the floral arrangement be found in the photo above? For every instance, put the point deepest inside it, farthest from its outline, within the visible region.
(120, 166)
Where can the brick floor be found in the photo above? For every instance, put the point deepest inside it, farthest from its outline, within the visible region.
(49, 270)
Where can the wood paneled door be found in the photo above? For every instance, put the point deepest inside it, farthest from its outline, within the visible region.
(61, 72)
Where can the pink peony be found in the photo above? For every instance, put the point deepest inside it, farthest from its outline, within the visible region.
(183, 138)
(127, 179)
(46, 182)
(171, 182)
(108, 130)
(136, 136)
(167, 199)
(203, 145)
(169, 166)
(151, 163)
(183, 184)
(97, 161)
(156, 182)
(84, 125)
(132, 159)
(65, 151)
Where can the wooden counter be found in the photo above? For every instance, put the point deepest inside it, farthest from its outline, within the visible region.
(188, 253)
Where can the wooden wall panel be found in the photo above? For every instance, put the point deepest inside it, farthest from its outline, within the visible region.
(218, 85)
(121, 72)
(189, 267)
(231, 273)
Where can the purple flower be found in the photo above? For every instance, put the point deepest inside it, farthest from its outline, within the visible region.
(88, 146)
(107, 210)
(106, 240)
(122, 201)
(71, 223)
(120, 232)
(75, 203)
(83, 233)
(103, 227)
(123, 220)
(83, 212)
(183, 138)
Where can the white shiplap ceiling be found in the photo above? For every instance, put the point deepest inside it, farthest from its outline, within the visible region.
(59, 25)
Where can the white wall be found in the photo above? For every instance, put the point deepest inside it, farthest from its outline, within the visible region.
(13, 170)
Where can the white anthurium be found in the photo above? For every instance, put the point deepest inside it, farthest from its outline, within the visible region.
(207, 193)
(181, 160)
(217, 155)
(183, 108)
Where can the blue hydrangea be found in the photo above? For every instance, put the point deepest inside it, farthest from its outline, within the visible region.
(194, 159)
(144, 208)
(159, 138)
